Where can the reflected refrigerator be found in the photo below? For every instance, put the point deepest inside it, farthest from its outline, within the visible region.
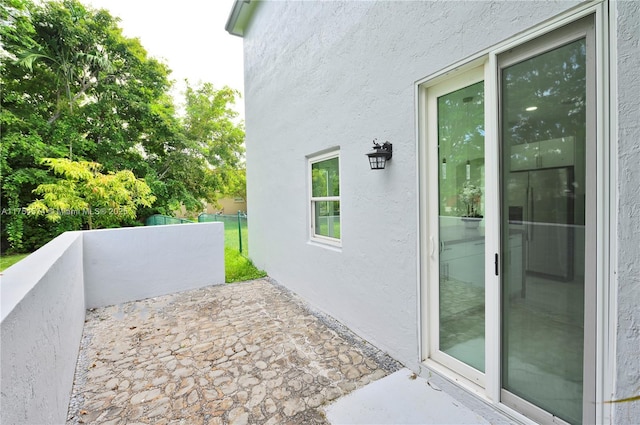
(542, 202)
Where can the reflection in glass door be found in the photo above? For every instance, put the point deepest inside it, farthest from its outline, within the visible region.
(461, 294)
(544, 109)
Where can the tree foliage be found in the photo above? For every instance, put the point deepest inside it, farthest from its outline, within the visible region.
(101, 200)
(73, 86)
(555, 84)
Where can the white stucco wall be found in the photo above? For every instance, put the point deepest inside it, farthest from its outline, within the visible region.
(44, 298)
(628, 232)
(42, 319)
(136, 263)
(326, 74)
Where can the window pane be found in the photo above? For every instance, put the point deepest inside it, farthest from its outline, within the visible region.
(543, 227)
(325, 178)
(461, 190)
(327, 218)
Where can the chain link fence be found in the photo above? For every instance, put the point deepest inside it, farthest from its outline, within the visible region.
(235, 227)
(159, 220)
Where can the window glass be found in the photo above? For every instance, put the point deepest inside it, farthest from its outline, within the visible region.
(326, 181)
(461, 227)
(327, 219)
(325, 198)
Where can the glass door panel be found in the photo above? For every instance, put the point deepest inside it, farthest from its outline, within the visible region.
(543, 228)
(461, 317)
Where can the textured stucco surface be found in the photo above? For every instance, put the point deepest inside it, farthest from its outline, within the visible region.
(338, 74)
(41, 332)
(130, 264)
(628, 231)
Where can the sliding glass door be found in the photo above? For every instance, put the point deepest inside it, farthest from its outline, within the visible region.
(511, 234)
(546, 97)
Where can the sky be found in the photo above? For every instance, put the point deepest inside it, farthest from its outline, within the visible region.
(188, 35)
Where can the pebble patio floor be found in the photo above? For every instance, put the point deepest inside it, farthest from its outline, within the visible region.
(243, 353)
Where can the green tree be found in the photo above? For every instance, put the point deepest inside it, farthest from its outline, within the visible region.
(58, 98)
(237, 184)
(209, 121)
(68, 43)
(73, 86)
(101, 200)
(205, 160)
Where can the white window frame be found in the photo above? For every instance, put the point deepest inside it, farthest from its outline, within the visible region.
(313, 237)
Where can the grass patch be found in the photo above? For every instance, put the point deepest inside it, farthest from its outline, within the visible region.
(238, 268)
(232, 240)
(8, 260)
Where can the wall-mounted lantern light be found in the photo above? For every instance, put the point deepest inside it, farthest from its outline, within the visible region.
(379, 156)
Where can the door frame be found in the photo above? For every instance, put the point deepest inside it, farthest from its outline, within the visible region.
(459, 81)
(604, 185)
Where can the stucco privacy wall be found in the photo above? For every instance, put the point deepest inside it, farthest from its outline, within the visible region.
(42, 319)
(136, 263)
(338, 74)
(43, 302)
(627, 19)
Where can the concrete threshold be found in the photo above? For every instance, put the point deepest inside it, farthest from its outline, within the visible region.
(403, 398)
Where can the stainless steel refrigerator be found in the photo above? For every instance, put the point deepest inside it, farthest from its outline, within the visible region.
(542, 203)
